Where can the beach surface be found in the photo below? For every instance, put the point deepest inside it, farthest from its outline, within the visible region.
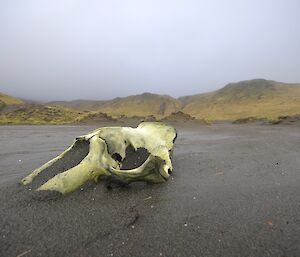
(234, 191)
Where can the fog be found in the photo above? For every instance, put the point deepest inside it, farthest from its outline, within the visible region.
(63, 50)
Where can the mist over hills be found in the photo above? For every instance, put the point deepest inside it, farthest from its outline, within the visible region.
(80, 104)
(257, 98)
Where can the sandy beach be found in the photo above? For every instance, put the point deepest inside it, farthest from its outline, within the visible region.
(235, 191)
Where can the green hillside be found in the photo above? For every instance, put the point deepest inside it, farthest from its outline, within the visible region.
(39, 114)
(6, 100)
(256, 98)
(136, 105)
(9, 100)
(141, 105)
(253, 98)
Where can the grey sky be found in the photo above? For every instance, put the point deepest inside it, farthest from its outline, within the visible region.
(85, 49)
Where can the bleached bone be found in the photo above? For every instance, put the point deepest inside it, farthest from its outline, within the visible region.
(107, 151)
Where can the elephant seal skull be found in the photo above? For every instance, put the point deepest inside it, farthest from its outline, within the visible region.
(105, 152)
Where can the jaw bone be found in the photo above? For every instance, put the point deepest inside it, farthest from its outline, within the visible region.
(107, 154)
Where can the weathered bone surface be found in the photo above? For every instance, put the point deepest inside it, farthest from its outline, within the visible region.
(103, 153)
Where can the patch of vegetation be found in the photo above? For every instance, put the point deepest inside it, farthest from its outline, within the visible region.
(251, 120)
(294, 119)
(9, 100)
(2, 105)
(38, 114)
(92, 117)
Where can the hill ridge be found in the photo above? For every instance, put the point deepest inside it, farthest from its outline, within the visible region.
(259, 98)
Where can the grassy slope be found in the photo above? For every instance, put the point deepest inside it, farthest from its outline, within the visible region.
(258, 98)
(9, 100)
(38, 114)
(17, 111)
(142, 105)
(137, 105)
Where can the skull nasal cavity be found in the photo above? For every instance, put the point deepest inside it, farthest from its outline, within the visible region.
(134, 159)
(117, 157)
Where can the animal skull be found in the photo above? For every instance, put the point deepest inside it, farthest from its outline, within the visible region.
(103, 152)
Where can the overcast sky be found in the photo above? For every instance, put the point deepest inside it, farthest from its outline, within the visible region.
(93, 49)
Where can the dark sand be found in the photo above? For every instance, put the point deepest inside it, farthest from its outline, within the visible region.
(235, 191)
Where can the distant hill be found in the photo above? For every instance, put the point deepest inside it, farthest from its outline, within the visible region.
(257, 98)
(16, 111)
(136, 105)
(39, 114)
(142, 105)
(242, 101)
(6, 100)
(9, 100)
